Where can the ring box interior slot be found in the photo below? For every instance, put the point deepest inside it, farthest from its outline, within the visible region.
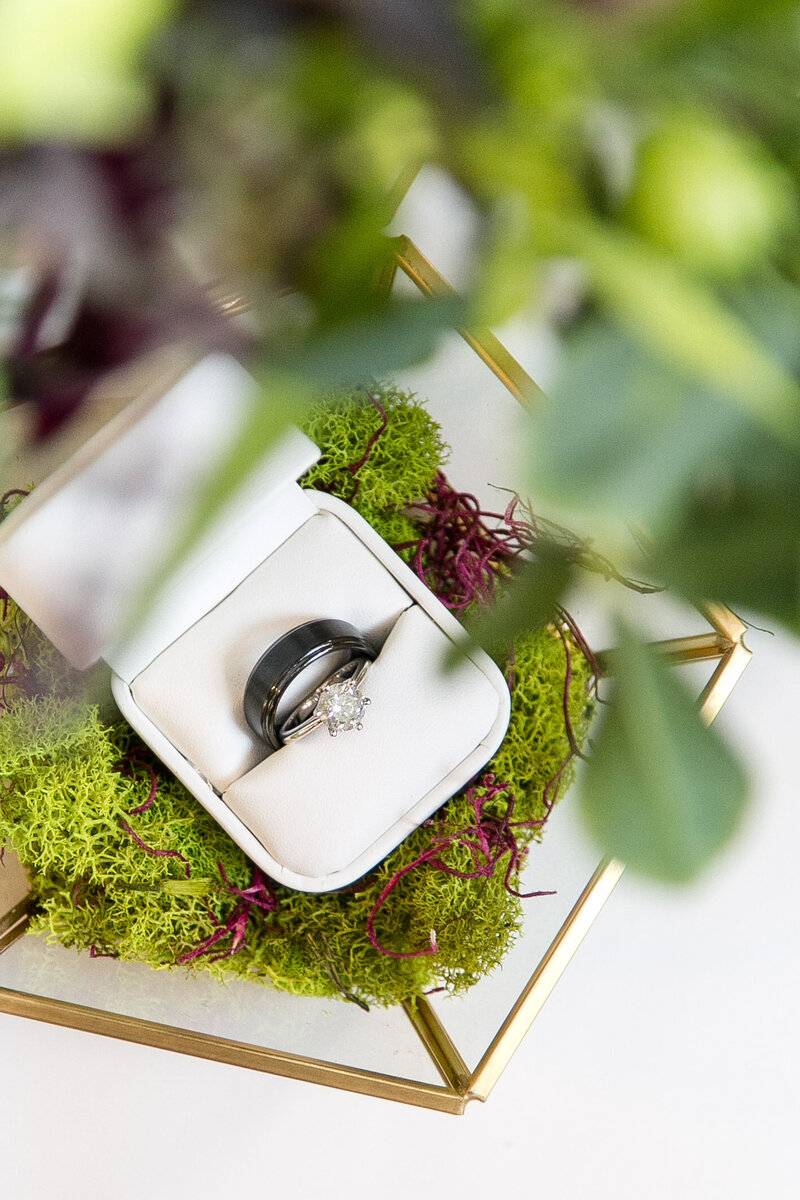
(78, 555)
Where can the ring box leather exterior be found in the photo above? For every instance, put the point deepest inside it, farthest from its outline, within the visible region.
(77, 554)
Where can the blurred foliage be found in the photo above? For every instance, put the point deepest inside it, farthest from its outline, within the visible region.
(652, 758)
(262, 145)
(70, 69)
(123, 861)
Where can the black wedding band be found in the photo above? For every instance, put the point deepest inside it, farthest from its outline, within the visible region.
(281, 664)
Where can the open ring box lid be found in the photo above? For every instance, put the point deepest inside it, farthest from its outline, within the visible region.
(77, 553)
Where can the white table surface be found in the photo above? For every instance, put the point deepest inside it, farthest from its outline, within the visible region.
(664, 1065)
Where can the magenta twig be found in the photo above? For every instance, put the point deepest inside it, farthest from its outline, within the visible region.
(464, 549)
(488, 840)
(355, 467)
(95, 953)
(6, 496)
(12, 674)
(459, 556)
(157, 853)
(259, 894)
(127, 767)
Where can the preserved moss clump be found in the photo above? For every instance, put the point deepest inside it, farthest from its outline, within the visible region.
(125, 862)
(67, 811)
(381, 451)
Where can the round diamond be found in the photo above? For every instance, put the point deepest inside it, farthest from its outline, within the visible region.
(342, 705)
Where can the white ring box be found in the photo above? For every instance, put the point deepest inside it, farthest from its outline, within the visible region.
(319, 813)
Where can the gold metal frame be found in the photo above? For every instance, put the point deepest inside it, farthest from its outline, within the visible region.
(723, 645)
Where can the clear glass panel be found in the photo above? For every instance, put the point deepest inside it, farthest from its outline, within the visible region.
(563, 862)
(382, 1040)
(487, 430)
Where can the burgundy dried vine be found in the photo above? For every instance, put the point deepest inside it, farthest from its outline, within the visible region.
(459, 556)
(488, 840)
(156, 853)
(13, 673)
(353, 468)
(127, 767)
(259, 894)
(95, 953)
(465, 550)
(4, 499)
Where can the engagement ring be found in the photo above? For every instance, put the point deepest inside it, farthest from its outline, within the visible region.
(338, 703)
(335, 700)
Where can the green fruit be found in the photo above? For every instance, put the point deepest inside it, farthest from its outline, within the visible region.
(710, 197)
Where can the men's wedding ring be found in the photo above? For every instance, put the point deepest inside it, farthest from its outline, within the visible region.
(337, 701)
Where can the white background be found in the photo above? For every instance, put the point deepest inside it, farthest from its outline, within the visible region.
(664, 1065)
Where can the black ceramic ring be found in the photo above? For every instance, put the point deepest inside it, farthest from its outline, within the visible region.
(281, 664)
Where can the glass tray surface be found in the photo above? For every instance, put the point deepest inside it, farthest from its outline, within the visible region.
(444, 1051)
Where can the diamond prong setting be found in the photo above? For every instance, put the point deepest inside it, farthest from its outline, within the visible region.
(341, 706)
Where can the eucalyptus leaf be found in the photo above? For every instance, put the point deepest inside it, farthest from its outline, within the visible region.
(742, 546)
(528, 603)
(399, 335)
(622, 433)
(662, 792)
(683, 322)
(770, 307)
(625, 434)
(749, 71)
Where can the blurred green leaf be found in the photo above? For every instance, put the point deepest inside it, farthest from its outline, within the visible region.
(711, 196)
(621, 433)
(625, 434)
(741, 546)
(397, 336)
(770, 307)
(661, 792)
(748, 73)
(70, 69)
(683, 322)
(506, 277)
(681, 24)
(528, 603)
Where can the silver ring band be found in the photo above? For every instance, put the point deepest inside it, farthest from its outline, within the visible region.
(286, 659)
(338, 702)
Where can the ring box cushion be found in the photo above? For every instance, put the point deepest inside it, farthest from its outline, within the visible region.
(193, 691)
(316, 803)
(315, 815)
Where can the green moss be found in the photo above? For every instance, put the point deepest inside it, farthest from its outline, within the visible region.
(536, 741)
(401, 464)
(65, 808)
